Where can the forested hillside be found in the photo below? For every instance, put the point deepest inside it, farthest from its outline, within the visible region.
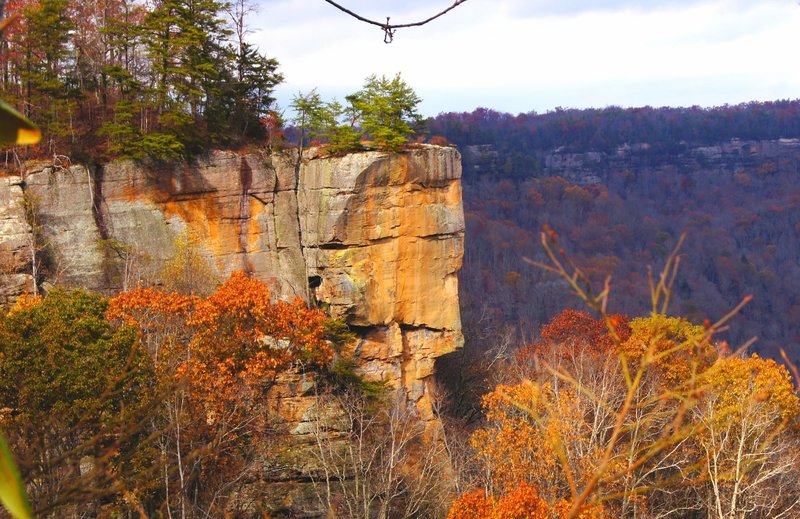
(124, 78)
(277, 331)
(620, 186)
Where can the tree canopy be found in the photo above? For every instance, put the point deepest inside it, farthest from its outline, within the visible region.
(383, 114)
(128, 78)
(701, 429)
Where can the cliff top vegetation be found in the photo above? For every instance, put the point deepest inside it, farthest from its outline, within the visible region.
(165, 80)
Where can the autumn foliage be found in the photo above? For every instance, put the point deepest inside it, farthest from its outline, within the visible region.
(154, 401)
(574, 325)
(520, 502)
(575, 330)
(703, 429)
(235, 339)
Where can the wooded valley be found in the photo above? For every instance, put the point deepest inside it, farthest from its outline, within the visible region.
(318, 377)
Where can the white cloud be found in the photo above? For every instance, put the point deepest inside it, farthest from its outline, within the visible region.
(486, 53)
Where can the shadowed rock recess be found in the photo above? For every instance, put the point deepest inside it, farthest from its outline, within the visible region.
(376, 238)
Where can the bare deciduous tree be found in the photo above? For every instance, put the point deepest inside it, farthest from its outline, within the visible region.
(374, 459)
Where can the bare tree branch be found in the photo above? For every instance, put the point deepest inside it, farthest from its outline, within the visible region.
(389, 28)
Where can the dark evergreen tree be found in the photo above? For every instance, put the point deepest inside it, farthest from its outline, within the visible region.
(47, 72)
(244, 98)
(164, 79)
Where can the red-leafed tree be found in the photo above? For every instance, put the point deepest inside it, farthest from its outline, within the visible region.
(217, 357)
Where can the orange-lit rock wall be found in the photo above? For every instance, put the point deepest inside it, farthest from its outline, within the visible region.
(381, 235)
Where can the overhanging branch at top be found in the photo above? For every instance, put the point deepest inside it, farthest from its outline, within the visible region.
(390, 28)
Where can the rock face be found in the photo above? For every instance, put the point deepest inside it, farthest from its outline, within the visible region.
(15, 242)
(378, 238)
(385, 236)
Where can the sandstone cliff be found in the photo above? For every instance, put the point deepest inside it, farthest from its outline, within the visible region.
(379, 238)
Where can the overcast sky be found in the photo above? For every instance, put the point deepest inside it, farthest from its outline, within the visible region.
(523, 55)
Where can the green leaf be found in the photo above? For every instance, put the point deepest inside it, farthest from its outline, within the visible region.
(12, 492)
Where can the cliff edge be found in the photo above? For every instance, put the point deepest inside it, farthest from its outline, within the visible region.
(377, 238)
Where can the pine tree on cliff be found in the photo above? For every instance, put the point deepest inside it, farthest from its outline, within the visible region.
(43, 59)
(383, 111)
(387, 111)
(185, 42)
(245, 99)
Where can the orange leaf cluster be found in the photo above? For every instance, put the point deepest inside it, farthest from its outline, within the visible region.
(25, 302)
(234, 341)
(522, 501)
(138, 307)
(575, 328)
(512, 444)
(578, 326)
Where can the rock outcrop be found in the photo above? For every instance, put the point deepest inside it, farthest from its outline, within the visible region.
(588, 167)
(377, 238)
(16, 241)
